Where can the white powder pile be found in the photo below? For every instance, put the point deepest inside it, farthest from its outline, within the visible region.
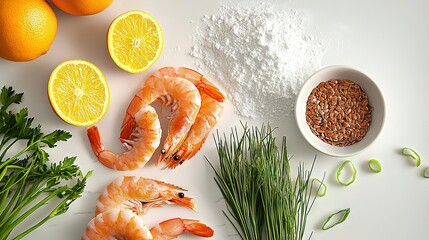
(260, 55)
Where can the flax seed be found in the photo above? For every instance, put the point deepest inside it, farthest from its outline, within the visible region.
(338, 112)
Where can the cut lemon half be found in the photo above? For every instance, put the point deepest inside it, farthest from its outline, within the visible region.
(78, 92)
(135, 41)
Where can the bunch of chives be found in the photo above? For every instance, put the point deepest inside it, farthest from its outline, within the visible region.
(262, 198)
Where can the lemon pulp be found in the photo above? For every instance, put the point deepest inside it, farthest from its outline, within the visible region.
(135, 41)
(78, 92)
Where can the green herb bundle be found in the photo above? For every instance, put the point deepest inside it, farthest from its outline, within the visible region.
(263, 199)
(28, 181)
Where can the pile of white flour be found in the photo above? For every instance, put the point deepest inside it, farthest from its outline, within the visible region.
(260, 55)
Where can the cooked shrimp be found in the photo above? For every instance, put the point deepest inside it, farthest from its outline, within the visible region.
(119, 223)
(210, 112)
(196, 78)
(172, 228)
(185, 102)
(139, 194)
(145, 136)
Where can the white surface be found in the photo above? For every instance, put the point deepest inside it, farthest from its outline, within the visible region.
(385, 39)
(375, 97)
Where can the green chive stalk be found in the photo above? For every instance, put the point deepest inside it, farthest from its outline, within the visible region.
(264, 201)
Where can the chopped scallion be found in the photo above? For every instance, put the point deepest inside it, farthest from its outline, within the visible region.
(374, 165)
(426, 173)
(413, 155)
(321, 187)
(340, 170)
(344, 214)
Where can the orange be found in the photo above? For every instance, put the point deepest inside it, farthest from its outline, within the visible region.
(27, 29)
(78, 92)
(135, 41)
(82, 7)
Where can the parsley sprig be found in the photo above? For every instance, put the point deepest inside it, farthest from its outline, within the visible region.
(28, 180)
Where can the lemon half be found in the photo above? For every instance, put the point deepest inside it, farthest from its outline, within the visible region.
(78, 92)
(135, 41)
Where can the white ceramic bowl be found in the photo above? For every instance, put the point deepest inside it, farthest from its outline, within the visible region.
(375, 98)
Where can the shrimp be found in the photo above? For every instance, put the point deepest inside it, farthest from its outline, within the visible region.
(121, 223)
(172, 228)
(185, 102)
(139, 194)
(207, 118)
(145, 137)
(196, 78)
(117, 224)
(210, 112)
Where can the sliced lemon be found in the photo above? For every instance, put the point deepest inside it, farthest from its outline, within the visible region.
(78, 92)
(135, 41)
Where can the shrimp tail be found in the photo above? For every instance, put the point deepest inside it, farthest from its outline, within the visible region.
(129, 122)
(172, 228)
(95, 140)
(207, 87)
(98, 147)
(127, 131)
(197, 228)
(198, 79)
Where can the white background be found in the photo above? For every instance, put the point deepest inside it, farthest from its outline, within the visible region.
(385, 39)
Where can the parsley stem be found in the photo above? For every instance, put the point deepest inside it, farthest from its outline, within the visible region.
(13, 224)
(13, 202)
(36, 191)
(11, 159)
(40, 223)
(17, 208)
(8, 168)
(4, 197)
(7, 148)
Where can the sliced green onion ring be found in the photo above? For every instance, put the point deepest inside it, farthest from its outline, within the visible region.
(321, 187)
(340, 170)
(413, 155)
(344, 214)
(374, 165)
(426, 173)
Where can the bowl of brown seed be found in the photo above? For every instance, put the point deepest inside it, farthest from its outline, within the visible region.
(340, 111)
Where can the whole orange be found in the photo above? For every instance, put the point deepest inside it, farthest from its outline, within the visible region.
(27, 29)
(82, 7)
